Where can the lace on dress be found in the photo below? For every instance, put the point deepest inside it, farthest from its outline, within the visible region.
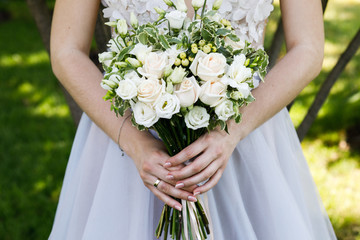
(248, 17)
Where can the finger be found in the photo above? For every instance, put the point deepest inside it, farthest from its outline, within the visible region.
(209, 184)
(177, 193)
(187, 153)
(195, 167)
(166, 198)
(204, 175)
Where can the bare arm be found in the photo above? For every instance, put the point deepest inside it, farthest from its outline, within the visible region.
(303, 26)
(71, 35)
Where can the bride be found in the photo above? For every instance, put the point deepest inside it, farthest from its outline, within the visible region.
(259, 183)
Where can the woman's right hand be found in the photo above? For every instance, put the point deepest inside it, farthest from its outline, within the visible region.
(149, 156)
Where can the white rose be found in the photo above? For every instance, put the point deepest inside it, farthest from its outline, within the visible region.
(176, 19)
(188, 92)
(167, 106)
(225, 110)
(211, 67)
(212, 93)
(154, 65)
(126, 89)
(197, 118)
(134, 77)
(149, 91)
(141, 51)
(197, 4)
(195, 63)
(177, 75)
(144, 114)
(235, 45)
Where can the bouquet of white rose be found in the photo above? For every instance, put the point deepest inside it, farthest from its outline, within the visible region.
(180, 77)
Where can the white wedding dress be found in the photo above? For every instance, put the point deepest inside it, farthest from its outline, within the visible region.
(265, 193)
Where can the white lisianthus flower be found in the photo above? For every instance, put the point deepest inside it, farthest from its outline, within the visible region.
(197, 4)
(115, 78)
(122, 27)
(108, 85)
(237, 72)
(197, 118)
(235, 45)
(188, 91)
(167, 106)
(211, 67)
(133, 20)
(217, 4)
(181, 6)
(144, 114)
(150, 90)
(126, 89)
(106, 58)
(176, 19)
(141, 51)
(225, 110)
(154, 65)
(177, 75)
(212, 93)
(115, 47)
(173, 53)
(133, 62)
(134, 77)
(244, 90)
(216, 17)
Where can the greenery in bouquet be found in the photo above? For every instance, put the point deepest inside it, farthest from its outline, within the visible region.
(181, 77)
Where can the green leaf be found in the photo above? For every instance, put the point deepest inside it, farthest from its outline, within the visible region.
(163, 41)
(224, 52)
(223, 31)
(238, 118)
(206, 34)
(234, 37)
(124, 52)
(143, 38)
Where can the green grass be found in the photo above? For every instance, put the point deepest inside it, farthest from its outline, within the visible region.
(37, 131)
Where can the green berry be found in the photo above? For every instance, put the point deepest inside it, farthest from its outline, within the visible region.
(202, 42)
(182, 55)
(191, 59)
(177, 62)
(214, 49)
(193, 45)
(185, 62)
(194, 50)
(206, 49)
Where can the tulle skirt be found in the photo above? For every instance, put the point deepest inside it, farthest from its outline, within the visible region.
(265, 193)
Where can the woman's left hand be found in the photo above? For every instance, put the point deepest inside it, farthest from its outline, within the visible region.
(211, 152)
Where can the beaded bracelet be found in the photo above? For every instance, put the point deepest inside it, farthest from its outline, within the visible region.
(121, 126)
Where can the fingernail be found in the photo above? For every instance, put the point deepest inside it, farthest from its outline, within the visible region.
(196, 193)
(191, 198)
(169, 177)
(178, 207)
(179, 185)
(167, 164)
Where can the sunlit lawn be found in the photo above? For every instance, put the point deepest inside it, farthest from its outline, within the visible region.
(36, 130)
(335, 167)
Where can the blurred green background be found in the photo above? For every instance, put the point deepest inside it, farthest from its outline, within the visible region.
(36, 129)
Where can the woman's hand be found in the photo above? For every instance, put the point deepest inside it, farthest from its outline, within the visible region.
(149, 156)
(211, 152)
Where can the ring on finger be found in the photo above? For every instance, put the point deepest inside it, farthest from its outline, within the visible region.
(157, 183)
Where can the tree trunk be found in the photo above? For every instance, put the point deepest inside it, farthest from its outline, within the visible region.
(42, 16)
(327, 85)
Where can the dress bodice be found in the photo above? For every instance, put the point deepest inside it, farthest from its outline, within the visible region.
(248, 17)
